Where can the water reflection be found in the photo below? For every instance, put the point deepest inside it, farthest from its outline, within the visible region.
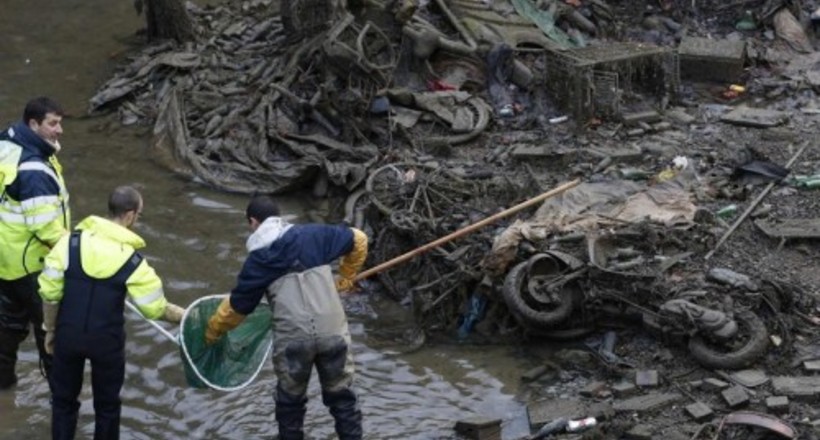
(403, 396)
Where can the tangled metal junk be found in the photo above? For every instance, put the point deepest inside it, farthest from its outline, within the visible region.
(273, 101)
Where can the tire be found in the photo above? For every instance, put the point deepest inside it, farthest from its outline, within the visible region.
(711, 356)
(445, 137)
(524, 309)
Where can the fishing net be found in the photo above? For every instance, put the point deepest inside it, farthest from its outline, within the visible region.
(235, 360)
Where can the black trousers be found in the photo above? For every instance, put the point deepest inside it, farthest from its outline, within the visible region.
(20, 308)
(293, 361)
(107, 355)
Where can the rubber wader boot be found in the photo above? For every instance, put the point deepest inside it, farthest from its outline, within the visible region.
(9, 343)
(345, 410)
(290, 415)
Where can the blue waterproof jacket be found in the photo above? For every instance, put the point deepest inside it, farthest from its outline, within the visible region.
(301, 247)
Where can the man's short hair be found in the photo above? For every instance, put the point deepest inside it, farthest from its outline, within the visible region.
(261, 207)
(123, 199)
(37, 109)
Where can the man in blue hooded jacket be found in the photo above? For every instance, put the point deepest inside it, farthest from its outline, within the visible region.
(290, 264)
(34, 215)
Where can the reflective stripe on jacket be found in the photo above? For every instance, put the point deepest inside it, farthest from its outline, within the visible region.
(105, 248)
(34, 210)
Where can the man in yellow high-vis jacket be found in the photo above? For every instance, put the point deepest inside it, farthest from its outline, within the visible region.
(83, 286)
(34, 214)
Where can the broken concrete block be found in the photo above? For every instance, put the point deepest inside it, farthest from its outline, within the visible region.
(545, 411)
(639, 432)
(749, 378)
(644, 116)
(777, 404)
(715, 384)
(680, 116)
(672, 435)
(755, 117)
(699, 411)
(547, 151)
(593, 389)
(647, 402)
(735, 397)
(661, 126)
(705, 59)
(811, 366)
(790, 227)
(534, 373)
(800, 387)
(624, 389)
(646, 378)
(695, 383)
(479, 428)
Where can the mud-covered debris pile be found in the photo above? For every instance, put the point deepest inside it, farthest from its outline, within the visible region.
(431, 116)
(436, 115)
(252, 107)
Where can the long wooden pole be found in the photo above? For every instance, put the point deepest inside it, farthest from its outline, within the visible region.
(466, 230)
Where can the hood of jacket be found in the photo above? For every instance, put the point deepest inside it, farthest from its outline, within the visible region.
(107, 229)
(270, 230)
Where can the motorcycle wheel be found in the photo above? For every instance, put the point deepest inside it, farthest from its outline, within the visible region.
(734, 354)
(527, 310)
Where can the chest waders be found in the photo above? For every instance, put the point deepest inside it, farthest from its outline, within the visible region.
(93, 305)
(310, 329)
(90, 325)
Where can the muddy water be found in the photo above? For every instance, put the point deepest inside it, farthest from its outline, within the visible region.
(66, 48)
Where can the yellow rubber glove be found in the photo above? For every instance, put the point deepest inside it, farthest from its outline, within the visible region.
(222, 321)
(352, 262)
(344, 285)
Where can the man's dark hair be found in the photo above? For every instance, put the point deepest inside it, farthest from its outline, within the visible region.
(261, 207)
(37, 109)
(122, 200)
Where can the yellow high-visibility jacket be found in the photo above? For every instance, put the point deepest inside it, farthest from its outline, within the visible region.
(104, 248)
(34, 210)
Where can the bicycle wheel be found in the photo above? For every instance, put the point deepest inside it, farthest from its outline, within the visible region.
(425, 192)
(468, 120)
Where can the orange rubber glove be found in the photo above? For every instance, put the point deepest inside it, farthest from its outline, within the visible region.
(352, 262)
(222, 321)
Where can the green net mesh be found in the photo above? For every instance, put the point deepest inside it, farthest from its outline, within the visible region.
(236, 359)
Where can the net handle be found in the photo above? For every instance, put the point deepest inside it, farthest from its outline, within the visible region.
(156, 325)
